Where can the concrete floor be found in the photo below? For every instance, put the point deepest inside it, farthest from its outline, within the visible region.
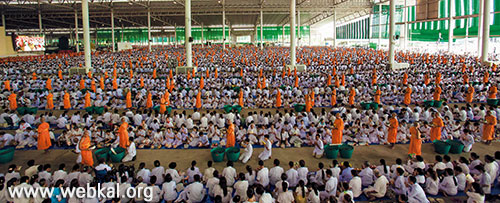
(184, 157)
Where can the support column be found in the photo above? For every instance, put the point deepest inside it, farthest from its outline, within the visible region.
(480, 27)
(261, 29)
(112, 31)
(40, 27)
(175, 35)
(486, 31)
(292, 33)
(379, 26)
(334, 43)
(392, 29)
(223, 25)
(189, 52)
(466, 34)
(202, 42)
(283, 38)
(3, 20)
(298, 29)
(86, 34)
(370, 29)
(123, 30)
(451, 24)
(230, 38)
(76, 32)
(149, 28)
(405, 28)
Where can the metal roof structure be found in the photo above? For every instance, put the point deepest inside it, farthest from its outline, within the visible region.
(165, 14)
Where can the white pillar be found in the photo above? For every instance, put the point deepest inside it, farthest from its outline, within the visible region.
(112, 30)
(392, 30)
(480, 27)
(486, 31)
(123, 30)
(223, 24)
(202, 42)
(283, 38)
(466, 34)
(370, 30)
(175, 35)
(86, 34)
(379, 26)
(405, 28)
(451, 24)
(40, 27)
(229, 34)
(292, 33)
(298, 29)
(189, 52)
(149, 28)
(76, 32)
(261, 29)
(334, 43)
(3, 20)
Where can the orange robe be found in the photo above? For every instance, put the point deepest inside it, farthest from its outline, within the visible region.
(59, 73)
(352, 94)
(50, 101)
(427, 79)
(92, 85)
(278, 99)
(13, 101)
(87, 100)
(407, 99)
(66, 101)
(438, 78)
(149, 101)
(392, 132)
(486, 77)
(329, 81)
(33, 76)
(405, 79)
(198, 100)
(296, 84)
(308, 103)
(437, 93)
(436, 129)
(240, 99)
(163, 106)
(230, 136)
(337, 131)
(333, 100)
(492, 92)
(142, 82)
(44, 136)
(377, 96)
(101, 83)
(470, 94)
(202, 82)
(489, 127)
(123, 134)
(415, 142)
(154, 73)
(85, 151)
(82, 84)
(128, 99)
(48, 84)
(115, 84)
(6, 85)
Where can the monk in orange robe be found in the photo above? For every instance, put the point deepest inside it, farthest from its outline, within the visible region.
(466, 79)
(50, 101)
(128, 99)
(378, 94)
(163, 105)
(352, 94)
(101, 83)
(149, 100)
(438, 78)
(48, 84)
(296, 83)
(6, 85)
(202, 82)
(167, 98)
(13, 101)
(154, 73)
(230, 139)
(392, 132)
(115, 84)
(59, 73)
(329, 81)
(278, 99)
(405, 79)
(198, 100)
(437, 93)
(92, 85)
(123, 134)
(66, 100)
(338, 128)
(82, 84)
(436, 126)
(486, 77)
(85, 150)
(44, 136)
(492, 92)
(308, 103)
(407, 99)
(240, 98)
(333, 100)
(427, 79)
(33, 76)
(87, 100)
(216, 75)
(489, 127)
(415, 140)
(470, 94)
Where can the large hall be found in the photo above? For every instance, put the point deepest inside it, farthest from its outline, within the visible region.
(235, 101)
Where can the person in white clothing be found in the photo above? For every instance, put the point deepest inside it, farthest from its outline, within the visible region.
(379, 189)
(229, 173)
(247, 152)
(330, 186)
(131, 151)
(292, 175)
(318, 147)
(415, 193)
(194, 192)
(262, 174)
(266, 154)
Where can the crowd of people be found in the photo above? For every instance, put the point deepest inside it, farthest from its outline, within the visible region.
(143, 103)
(413, 180)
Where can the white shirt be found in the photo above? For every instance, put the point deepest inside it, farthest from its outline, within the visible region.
(355, 185)
(275, 174)
(331, 186)
(195, 192)
(230, 174)
(286, 197)
(292, 177)
(263, 177)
